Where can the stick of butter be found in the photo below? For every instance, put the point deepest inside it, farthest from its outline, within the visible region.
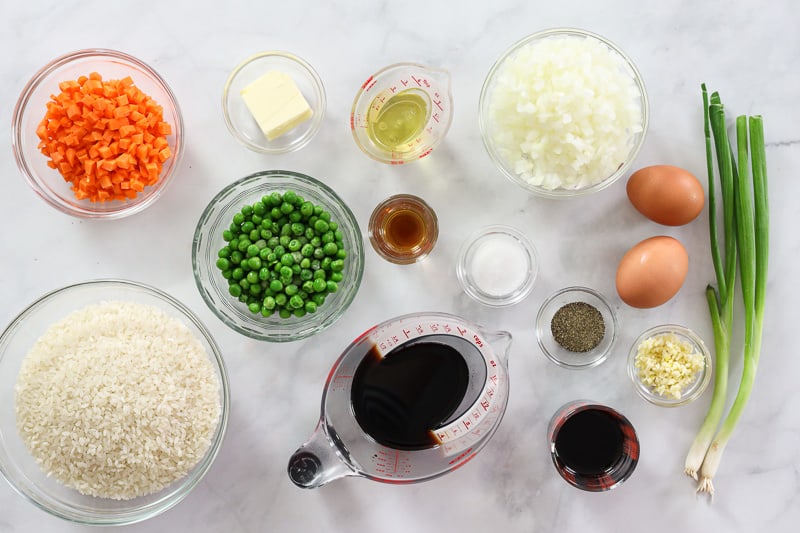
(276, 103)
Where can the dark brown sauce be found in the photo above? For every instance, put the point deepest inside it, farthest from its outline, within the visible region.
(400, 398)
(590, 442)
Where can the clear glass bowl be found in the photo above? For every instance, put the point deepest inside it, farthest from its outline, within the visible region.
(208, 241)
(469, 255)
(240, 121)
(636, 140)
(557, 353)
(31, 108)
(693, 389)
(21, 469)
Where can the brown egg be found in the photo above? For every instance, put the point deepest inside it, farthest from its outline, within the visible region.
(652, 272)
(665, 194)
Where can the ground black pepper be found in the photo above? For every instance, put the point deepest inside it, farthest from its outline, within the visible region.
(578, 327)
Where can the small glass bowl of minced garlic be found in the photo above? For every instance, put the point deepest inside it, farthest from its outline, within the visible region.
(669, 365)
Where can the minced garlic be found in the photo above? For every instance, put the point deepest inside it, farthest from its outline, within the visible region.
(667, 365)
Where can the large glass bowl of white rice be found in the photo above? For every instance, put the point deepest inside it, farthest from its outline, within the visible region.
(563, 113)
(114, 401)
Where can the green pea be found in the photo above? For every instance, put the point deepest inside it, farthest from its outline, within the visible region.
(275, 213)
(337, 277)
(238, 218)
(272, 257)
(295, 302)
(235, 290)
(305, 263)
(311, 307)
(224, 252)
(227, 235)
(319, 253)
(266, 312)
(300, 312)
(296, 269)
(308, 286)
(287, 259)
(276, 198)
(227, 274)
(236, 257)
(330, 248)
(254, 308)
(247, 210)
(255, 289)
(326, 263)
(284, 313)
(254, 235)
(281, 299)
(223, 264)
(332, 286)
(325, 216)
(337, 265)
(306, 274)
(321, 226)
(319, 285)
(309, 233)
(263, 274)
(286, 207)
(284, 240)
(307, 250)
(337, 236)
(276, 285)
(318, 272)
(341, 253)
(315, 241)
(307, 209)
(333, 225)
(237, 273)
(248, 226)
(244, 284)
(263, 254)
(328, 237)
(272, 242)
(255, 263)
(317, 210)
(269, 302)
(252, 250)
(244, 242)
(290, 196)
(259, 208)
(243, 298)
(279, 250)
(294, 245)
(286, 272)
(256, 219)
(318, 298)
(295, 217)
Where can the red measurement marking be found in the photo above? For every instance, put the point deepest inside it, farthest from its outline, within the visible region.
(426, 152)
(366, 82)
(439, 105)
(404, 82)
(407, 333)
(435, 117)
(352, 122)
(393, 88)
(416, 80)
(461, 331)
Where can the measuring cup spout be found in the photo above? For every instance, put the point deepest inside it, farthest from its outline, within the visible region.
(317, 462)
(501, 342)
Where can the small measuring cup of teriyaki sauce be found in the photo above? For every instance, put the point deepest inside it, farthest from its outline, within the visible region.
(593, 446)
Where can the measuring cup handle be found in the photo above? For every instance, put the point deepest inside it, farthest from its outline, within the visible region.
(316, 462)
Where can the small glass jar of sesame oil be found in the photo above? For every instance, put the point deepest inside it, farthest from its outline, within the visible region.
(403, 229)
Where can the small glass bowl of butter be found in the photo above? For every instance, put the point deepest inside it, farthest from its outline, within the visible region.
(274, 102)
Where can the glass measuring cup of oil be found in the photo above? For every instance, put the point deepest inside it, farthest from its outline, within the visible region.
(402, 112)
(409, 400)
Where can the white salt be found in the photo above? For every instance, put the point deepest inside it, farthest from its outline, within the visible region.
(499, 265)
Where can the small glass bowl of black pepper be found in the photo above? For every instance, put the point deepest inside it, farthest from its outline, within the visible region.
(576, 327)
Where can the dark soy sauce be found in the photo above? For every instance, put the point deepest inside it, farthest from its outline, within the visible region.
(590, 442)
(399, 398)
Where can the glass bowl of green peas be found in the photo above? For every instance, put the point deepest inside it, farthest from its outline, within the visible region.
(277, 256)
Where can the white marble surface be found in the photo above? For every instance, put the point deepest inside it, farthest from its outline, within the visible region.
(748, 51)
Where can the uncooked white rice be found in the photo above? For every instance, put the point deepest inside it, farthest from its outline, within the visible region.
(117, 400)
(564, 112)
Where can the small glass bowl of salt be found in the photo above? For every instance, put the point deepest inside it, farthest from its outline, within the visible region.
(497, 266)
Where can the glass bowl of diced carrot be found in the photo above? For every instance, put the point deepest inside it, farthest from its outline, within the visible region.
(98, 134)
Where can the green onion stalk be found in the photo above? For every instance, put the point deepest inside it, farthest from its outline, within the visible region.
(746, 242)
(752, 210)
(720, 300)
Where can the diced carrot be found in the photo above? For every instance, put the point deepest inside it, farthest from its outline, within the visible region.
(106, 137)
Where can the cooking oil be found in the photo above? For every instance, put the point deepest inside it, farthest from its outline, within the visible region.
(395, 121)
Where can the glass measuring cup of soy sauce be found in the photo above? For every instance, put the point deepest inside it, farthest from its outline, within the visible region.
(402, 112)
(593, 447)
(409, 400)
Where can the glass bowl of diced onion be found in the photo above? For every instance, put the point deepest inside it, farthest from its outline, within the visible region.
(49, 183)
(563, 113)
(669, 365)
